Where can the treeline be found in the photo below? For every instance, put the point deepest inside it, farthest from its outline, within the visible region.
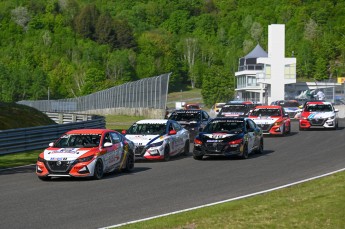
(69, 48)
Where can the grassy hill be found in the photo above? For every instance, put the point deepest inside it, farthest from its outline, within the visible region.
(14, 116)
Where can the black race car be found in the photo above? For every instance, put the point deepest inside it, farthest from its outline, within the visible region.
(235, 110)
(229, 136)
(191, 120)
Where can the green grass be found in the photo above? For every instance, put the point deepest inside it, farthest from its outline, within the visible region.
(120, 122)
(191, 96)
(19, 159)
(316, 204)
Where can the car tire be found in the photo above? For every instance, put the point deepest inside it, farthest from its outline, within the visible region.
(199, 158)
(245, 152)
(167, 153)
(186, 148)
(289, 131)
(260, 149)
(129, 162)
(98, 170)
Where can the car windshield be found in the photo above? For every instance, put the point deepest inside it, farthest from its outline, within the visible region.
(235, 108)
(185, 116)
(148, 129)
(318, 107)
(266, 112)
(78, 141)
(288, 104)
(232, 126)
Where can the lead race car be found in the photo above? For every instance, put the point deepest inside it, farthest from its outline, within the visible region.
(86, 153)
(271, 119)
(318, 114)
(158, 139)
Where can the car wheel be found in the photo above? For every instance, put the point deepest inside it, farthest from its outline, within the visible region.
(129, 162)
(197, 157)
(289, 130)
(44, 178)
(186, 148)
(245, 152)
(167, 153)
(98, 171)
(260, 149)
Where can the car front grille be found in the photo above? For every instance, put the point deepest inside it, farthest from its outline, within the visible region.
(139, 150)
(58, 166)
(215, 147)
(265, 127)
(317, 122)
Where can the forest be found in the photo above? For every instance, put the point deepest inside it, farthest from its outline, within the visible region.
(68, 48)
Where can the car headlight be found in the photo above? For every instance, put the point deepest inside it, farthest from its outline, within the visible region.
(332, 117)
(156, 144)
(85, 159)
(278, 123)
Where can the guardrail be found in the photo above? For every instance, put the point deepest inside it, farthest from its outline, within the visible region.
(25, 139)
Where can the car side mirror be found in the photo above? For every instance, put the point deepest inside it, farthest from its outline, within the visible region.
(124, 132)
(51, 144)
(107, 144)
(336, 110)
(172, 132)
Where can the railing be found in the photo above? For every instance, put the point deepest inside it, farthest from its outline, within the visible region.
(25, 139)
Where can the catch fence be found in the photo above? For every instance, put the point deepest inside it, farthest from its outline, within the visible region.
(145, 93)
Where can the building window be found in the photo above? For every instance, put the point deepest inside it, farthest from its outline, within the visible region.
(268, 71)
(290, 71)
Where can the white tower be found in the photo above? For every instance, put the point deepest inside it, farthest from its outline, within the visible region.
(278, 70)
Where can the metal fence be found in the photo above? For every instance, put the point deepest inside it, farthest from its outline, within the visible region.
(145, 93)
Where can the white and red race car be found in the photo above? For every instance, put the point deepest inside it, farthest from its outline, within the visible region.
(318, 114)
(86, 153)
(158, 139)
(271, 119)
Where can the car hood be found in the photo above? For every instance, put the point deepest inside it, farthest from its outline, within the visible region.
(144, 139)
(65, 154)
(219, 136)
(317, 115)
(265, 120)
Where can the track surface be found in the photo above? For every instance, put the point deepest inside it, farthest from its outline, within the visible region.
(160, 187)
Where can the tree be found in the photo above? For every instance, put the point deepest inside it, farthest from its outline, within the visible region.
(21, 17)
(85, 21)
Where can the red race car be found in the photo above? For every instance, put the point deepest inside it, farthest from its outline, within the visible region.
(86, 153)
(271, 119)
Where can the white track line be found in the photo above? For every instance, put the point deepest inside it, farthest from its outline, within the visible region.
(223, 201)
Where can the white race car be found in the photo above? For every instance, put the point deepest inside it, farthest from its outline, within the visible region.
(158, 139)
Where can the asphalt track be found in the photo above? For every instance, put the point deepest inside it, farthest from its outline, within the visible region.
(155, 188)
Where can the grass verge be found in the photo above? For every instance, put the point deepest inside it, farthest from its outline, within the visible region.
(316, 204)
(19, 159)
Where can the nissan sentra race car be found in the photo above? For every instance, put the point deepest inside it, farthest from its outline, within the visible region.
(158, 139)
(318, 114)
(228, 136)
(271, 119)
(86, 153)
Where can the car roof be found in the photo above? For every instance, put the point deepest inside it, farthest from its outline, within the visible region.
(188, 111)
(229, 118)
(89, 131)
(153, 121)
(268, 106)
(318, 102)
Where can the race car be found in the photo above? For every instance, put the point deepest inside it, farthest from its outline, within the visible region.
(191, 120)
(291, 107)
(235, 109)
(271, 119)
(318, 114)
(158, 139)
(86, 153)
(215, 109)
(228, 136)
